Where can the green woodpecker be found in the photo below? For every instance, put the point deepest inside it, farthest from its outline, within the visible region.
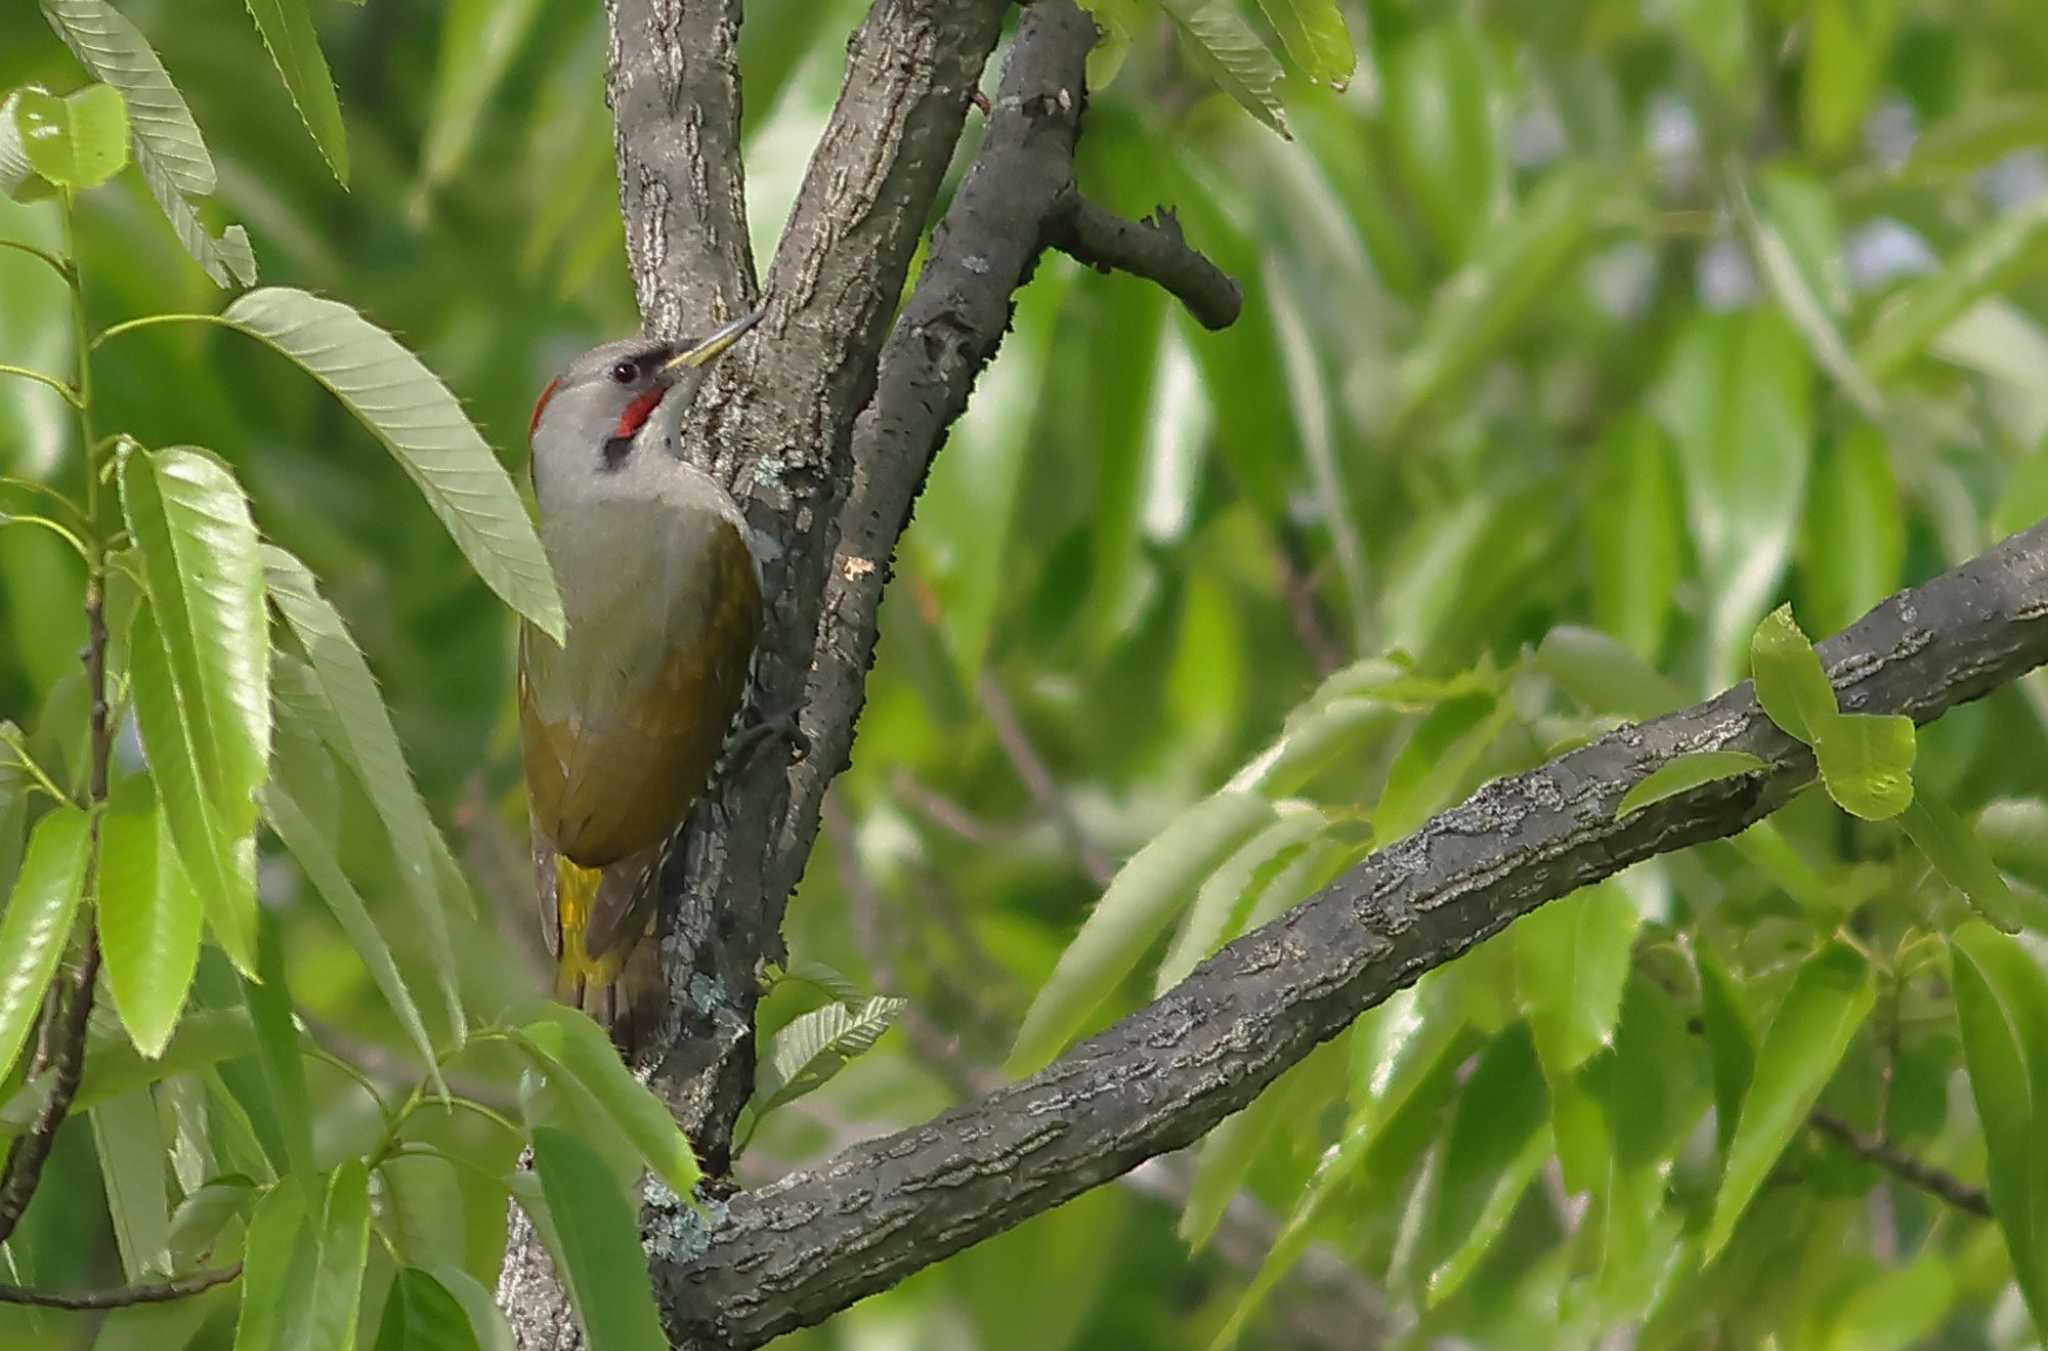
(620, 725)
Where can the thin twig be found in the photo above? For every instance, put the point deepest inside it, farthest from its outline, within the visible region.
(1031, 768)
(949, 815)
(1912, 1171)
(123, 1296)
(1152, 248)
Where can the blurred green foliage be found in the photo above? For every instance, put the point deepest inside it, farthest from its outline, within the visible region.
(1579, 335)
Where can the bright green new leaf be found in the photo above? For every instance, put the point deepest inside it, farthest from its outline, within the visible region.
(1499, 1138)
(420, 1315)
(1952, 846)
(1790, 683)
(567, 1045)
(1866, 761)
(1831, 996)
(1683, 773)
(1314, 35)
(201, 670)
(133, 1173)
(1224, 45)
(1141, 900)
(287, 29)
(277, 1047)
(815, 1046)
(1926, 305)
(597, 1245)
(149, 916)
(37, 923)
(2002, 1012)
(1571, 961)
(418, 420)
(1226, 894)
(79, 141)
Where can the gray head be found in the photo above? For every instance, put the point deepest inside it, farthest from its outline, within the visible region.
(601, 410)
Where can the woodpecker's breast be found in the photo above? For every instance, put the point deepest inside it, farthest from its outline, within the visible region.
(622, 723)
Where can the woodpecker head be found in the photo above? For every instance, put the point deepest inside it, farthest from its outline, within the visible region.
(619, 401)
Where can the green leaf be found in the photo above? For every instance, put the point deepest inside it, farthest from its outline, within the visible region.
(2002, 1011)
(37, 923)
(1141, 900)
(281, 1263)
(1603, 676)
(1228, 1152)
(199, 1219)
(814, 1047)
(287, 30)
(1498, 1139)
(1926, 305)
(1736, 401)
(1225, 46)
(18, 177)
(1792, 207)
(1790, 683)
(277, 1046)
(1830, 997)
(1225, 895)
(1855, 532)
(1848, 44)
(1436, 760)
(1513, 267)
(1731, 1041)
(149, 916)
(1977, 134)
(201, 671)
(1571, 961)
(1633, 535)
(113, 1066)
(1683, 773)
(316, 854)
(1318, 734)
(568, 1045)
(130, 1145)
(479, 40)
(1314, 35)
(337, 1291)
(1960, 857)
(79, 141)
(486, 1320)
(166, 139)
(418, 420)
(1866, 761)
(361, 733)
(420, 1315)
(598, 1245)
(1439, 100)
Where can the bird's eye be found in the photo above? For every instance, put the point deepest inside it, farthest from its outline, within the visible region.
(625, 372)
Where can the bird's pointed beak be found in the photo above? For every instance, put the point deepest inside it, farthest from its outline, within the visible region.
(707, 349)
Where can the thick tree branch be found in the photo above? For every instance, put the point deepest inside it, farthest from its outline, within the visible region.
(121, 1297)
(808, 1245)
(673, 81)
(1152, 248)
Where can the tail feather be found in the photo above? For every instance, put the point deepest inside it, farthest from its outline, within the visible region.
(620, 985)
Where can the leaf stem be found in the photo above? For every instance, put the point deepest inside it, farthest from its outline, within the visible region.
(41, 378)
(21, 246)
(29, 485)
(152, 320)
(54, 527)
